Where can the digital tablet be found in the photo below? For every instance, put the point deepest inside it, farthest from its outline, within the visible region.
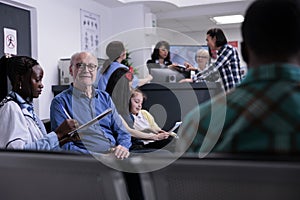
(177, 124)
(89, 123)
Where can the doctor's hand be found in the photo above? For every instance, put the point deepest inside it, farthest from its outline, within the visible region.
(66, 127)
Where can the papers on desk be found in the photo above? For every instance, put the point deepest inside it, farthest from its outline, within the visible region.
(181, 66)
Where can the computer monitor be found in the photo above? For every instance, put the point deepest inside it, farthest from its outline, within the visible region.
(165, 75)
(185, 53)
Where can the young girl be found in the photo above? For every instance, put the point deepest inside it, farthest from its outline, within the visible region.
(144, 122)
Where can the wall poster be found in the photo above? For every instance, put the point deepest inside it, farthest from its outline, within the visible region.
(90, 32)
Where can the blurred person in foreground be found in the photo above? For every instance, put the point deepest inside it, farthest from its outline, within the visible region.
(262, 113)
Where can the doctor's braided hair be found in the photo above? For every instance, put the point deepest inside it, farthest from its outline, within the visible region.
(16, 65)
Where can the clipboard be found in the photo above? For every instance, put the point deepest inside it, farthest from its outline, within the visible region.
(89, 123)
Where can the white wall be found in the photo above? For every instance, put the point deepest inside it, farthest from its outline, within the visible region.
(58, 36)
(128, 24)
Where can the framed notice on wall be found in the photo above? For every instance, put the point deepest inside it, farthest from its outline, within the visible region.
(10, 41)
(90, 32)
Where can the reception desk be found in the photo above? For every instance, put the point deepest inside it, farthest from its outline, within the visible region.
(170, 102)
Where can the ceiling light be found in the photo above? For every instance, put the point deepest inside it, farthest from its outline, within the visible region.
(229, 19)
(183, 3)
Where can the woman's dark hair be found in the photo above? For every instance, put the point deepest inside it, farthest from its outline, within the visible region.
(210, 52)
(113, 50)
(219, 34)
(16, 65)
(155, 54)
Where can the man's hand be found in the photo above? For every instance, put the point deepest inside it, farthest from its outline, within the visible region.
(120, 152)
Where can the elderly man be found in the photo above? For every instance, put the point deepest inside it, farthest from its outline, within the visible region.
(81, 101)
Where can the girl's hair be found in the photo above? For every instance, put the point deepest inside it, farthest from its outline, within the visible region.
(219, 34)
(133, 93)
(155, 54)
(113, 51)
(16, 65)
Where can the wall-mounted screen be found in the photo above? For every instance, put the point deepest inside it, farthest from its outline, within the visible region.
(185, 53)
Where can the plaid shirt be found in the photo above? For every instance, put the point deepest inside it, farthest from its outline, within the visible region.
(228, 65)
(260, 115)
